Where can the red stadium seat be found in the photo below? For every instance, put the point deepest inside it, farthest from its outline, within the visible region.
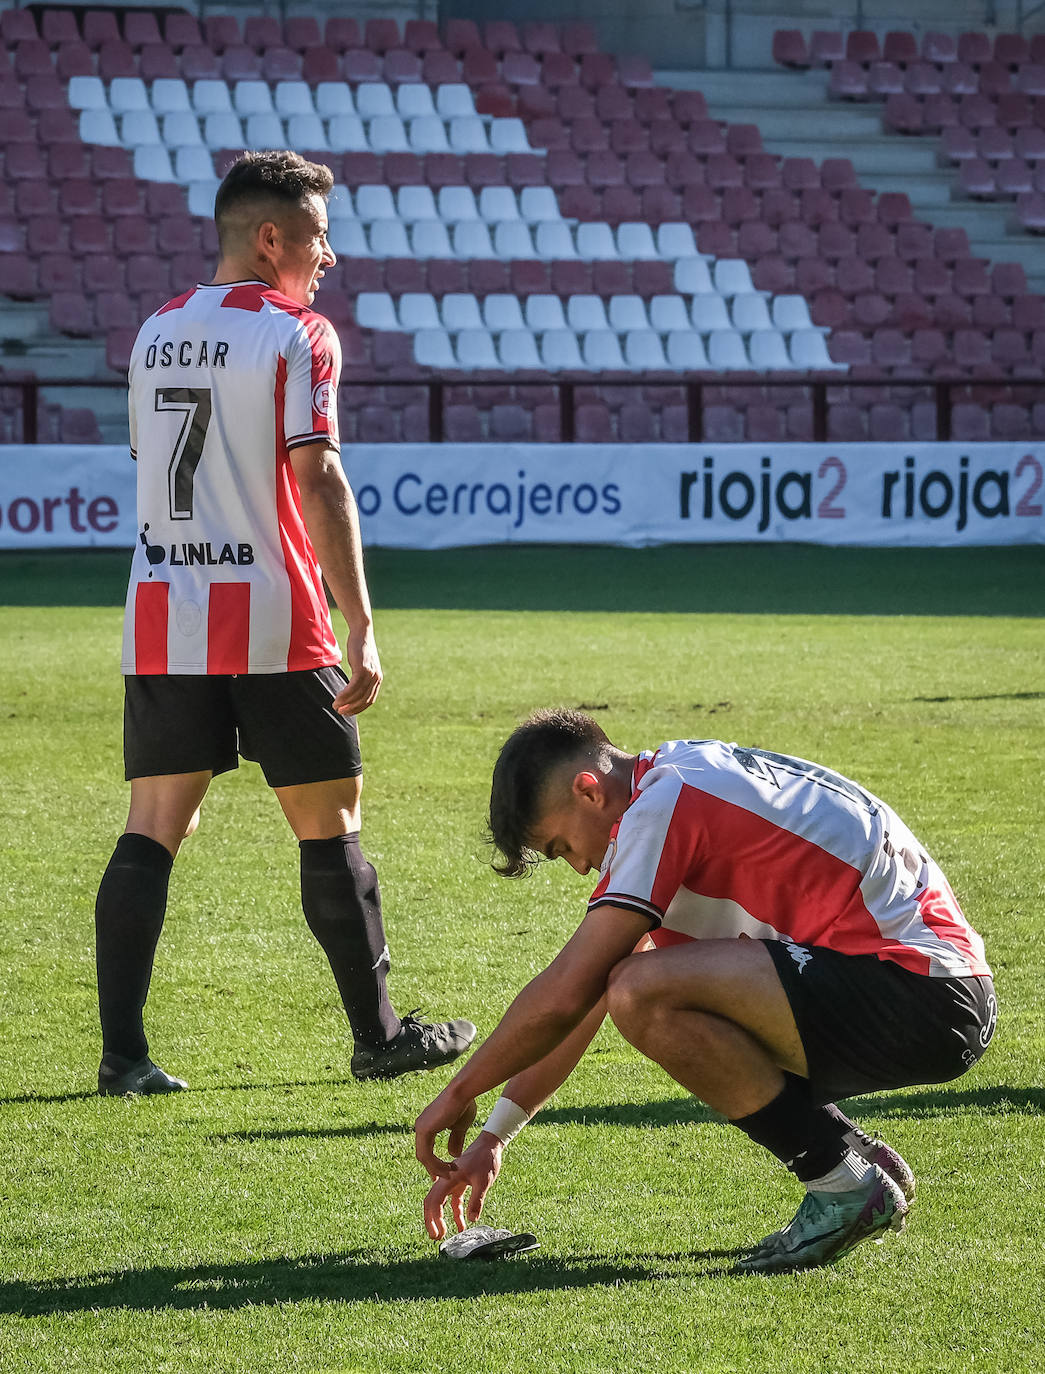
(261, 31)
(634, 70)
(939, 48)
(240, 63)
(825, 47)
(479, 67)
(221, 31)
(140, 27)
(301, 32)
(900, 48)
(558, 70)
(341, 32)
(521, 69)
(789, 49)
(884, 79)
(579, 39)
(18, 275)
(115, 60)
(905, 114)
(540, 38)
(460, 35)
(1011, 49)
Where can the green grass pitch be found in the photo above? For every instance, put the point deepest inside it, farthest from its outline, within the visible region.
(269, 1219)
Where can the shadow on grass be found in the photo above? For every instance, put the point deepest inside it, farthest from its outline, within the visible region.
(321, 1132)
(350, 1276)
(933, 1102)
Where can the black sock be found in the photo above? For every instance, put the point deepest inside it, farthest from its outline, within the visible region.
(128, 918)
(342, 905)
(851, 1132)
(803, 1136)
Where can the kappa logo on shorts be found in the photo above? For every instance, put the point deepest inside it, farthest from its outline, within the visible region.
(799, 953)
(987, 1029)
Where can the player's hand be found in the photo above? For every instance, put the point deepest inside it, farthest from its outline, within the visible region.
(364, 681)
(474, 1173)
(446, 1113)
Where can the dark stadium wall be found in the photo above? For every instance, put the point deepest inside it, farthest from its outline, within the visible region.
(671, 33)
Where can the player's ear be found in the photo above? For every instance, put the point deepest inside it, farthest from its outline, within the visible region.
(587, 785)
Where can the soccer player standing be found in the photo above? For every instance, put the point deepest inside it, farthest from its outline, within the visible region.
(228, 648)
(763, 928)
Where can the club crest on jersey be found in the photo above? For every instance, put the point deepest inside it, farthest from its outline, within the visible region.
(322, 396)
(799, 953)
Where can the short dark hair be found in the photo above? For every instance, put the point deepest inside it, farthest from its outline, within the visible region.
(531, 753)
(278, 176)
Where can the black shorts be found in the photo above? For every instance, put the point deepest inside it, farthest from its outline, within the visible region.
(868, 1024)
(284, 721)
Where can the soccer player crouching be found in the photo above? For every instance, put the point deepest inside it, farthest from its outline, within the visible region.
(763, 928)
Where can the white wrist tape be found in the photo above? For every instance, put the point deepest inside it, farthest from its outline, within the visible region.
(506, 1120)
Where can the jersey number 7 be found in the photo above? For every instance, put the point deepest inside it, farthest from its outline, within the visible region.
(193, 403)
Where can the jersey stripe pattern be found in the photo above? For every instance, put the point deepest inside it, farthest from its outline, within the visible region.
(224, 383)
(721, 842)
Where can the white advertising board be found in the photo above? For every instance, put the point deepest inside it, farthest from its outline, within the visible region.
(442, 495)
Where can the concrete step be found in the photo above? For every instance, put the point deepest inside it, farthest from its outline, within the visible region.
(731, 89)
(53, 356)
(925, 190)
(21, 320)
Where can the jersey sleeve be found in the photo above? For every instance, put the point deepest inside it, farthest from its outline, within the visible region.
(655, 846)
(313, 370)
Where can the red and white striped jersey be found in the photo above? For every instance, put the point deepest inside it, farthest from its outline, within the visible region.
(720, 841)
(224, 382)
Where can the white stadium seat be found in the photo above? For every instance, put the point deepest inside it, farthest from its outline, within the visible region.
(643, 350)
(210, 96)
(595, 243)
(676, 241)
(538, 203)
(586, 312)
(790, 313)
(460, 311)
(601, 350)
(252, 97)
(98, 126)
(222, 131)
(339, 203)
(726, 351)
(139, 128)
(264, 131)
(193, 162)
(87, 93)
(468, 135)
(415, 203)
(128, 94)
(498, 204)
(513, 241)
(348, 239)
(693, 277)
(554, 241)
(346, 133)
(502, 311)
(732, 277)
(667, 313)
(559, 349)
(509, 136)
(808, 348)
(152, 162)
(375, 202)
(387, 238)
(376, 310)
(374, 99)
(709, 313)
(427, 134)
(685, 350)
(169, 95)
(543, 313)
(293, 97)
(413, 101)
(429, 238)
(518, 349)
(749, 312)
(201, 197)
(475, 349)
(456, 203)
(432, 348)
(334, 98)
(418, 310)
(767, 349)
(180, 130)
(471, 239)
(454, 101)
(636, 241)
(306, 131)
(627, 312)
(387, 134)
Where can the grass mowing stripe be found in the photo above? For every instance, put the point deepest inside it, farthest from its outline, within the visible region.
(269, 1218)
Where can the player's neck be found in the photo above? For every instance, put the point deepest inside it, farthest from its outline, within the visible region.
(230, 270)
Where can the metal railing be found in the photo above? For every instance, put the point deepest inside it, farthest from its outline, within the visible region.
(943, 392)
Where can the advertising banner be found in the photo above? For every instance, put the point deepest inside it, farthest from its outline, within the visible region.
(429, 496)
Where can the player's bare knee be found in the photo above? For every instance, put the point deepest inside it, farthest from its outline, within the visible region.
(628, 999)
